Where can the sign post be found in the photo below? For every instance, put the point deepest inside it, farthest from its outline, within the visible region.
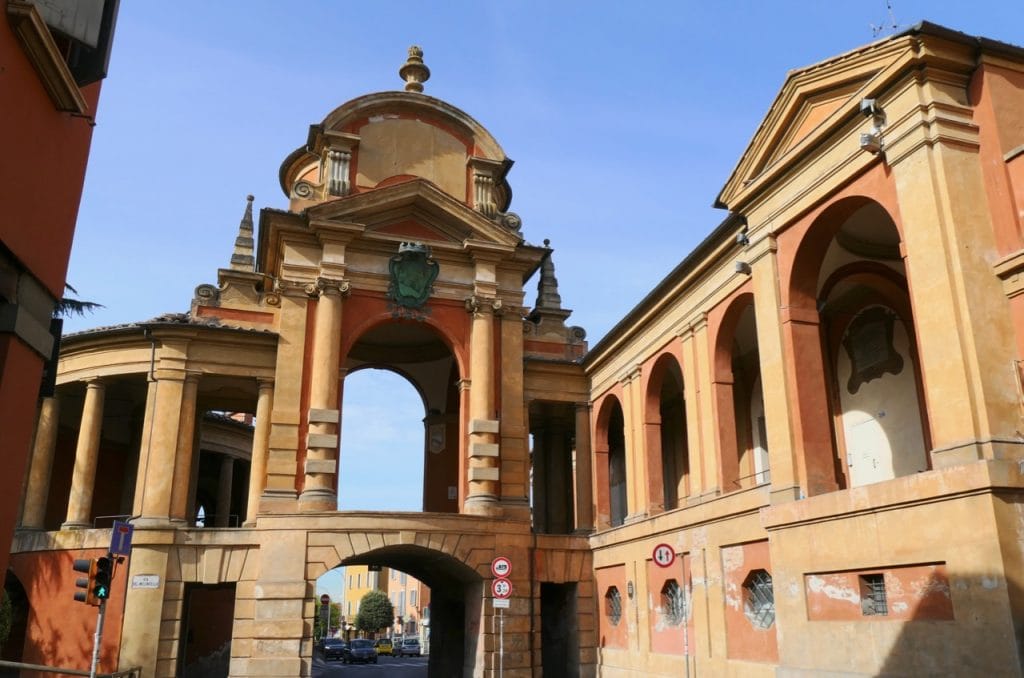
(501, 588)
(325, 615)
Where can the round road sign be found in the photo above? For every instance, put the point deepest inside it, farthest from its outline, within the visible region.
(501, 588)
(501, 566)
(325, 599)
(664, 555)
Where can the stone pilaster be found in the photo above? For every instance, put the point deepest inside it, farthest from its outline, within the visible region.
(87, 453)
(632, 402)
(37, 489)
(584, 474)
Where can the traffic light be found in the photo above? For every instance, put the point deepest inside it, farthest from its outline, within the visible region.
(101, 578)
(96, 587)
(88, 567)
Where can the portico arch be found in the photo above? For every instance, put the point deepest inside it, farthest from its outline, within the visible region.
(858, 385)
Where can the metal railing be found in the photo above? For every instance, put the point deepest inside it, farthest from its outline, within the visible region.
(18, 667)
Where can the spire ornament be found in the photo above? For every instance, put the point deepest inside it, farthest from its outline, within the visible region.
(414, 71)
(242, 257)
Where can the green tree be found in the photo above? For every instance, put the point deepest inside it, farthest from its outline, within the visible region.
(375, 612)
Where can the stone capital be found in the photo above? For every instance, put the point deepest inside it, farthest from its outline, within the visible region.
(478, 304)
(328, 286)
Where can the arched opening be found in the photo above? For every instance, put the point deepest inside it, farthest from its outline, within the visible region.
(610, 462)
(850, 270)
(382, 442)
(739, 399)
(668, 466)
(400, 421)
(443, 615)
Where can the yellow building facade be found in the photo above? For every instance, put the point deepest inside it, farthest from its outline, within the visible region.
(799, 455)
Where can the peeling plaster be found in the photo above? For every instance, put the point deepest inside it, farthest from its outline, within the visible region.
(732, 558)
(819, 585)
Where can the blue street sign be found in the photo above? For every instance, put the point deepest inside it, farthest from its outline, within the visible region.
(121, 538)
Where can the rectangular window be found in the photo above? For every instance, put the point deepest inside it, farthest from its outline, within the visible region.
(412, 598)
(872, 595)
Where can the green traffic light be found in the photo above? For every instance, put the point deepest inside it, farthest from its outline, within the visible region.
(101, 578)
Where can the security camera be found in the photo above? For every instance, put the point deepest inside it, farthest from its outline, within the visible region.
(871, 142)
(742, 268)
(742, 238)
(869, 108)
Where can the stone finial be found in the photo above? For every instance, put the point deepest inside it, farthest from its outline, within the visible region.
(548, 298)
(242, 257)
(414, 71)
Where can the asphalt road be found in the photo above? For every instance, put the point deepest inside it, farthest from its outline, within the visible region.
(386, 667)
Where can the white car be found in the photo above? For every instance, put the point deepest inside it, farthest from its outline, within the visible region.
(410, 647)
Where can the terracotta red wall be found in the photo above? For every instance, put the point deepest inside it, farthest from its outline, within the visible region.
(667, 639)
(743, 639)
(45, 154)
(912, 592)
(609, 635)
(60, 629)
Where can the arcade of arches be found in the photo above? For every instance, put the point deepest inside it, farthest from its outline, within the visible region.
(805, 440)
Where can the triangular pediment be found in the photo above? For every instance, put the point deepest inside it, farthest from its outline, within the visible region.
(813, 103)
(414, 210)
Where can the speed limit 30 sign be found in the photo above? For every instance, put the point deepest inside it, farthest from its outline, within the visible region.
(501, 588)
(664, 555)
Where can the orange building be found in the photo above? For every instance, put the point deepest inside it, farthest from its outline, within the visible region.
(53, 64)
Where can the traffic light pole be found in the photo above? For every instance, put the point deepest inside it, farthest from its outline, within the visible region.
(96, 639)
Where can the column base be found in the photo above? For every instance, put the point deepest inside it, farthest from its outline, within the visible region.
(153, 522)
(71, 525)
(315, 501)
(784, 495)
(516, 509)
(482, 505)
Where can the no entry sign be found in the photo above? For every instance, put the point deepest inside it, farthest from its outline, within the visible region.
(664, 555)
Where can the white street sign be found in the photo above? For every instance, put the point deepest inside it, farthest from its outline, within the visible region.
(502, 602)
(146, 581)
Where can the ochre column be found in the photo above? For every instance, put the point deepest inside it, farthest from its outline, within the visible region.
(785, 415)
(185, 453)
(318, 492)
(157, 458)
(260, 442)
(86, 456)
(483, 473)
(37, 490)
(701, 441)
(224, 485)
(584, 472)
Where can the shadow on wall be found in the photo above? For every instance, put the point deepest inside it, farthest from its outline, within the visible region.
(982, 636)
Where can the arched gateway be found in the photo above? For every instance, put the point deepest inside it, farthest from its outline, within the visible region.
(396, 251)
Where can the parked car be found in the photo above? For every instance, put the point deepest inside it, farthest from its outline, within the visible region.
(360, 650)
(334, 648)
(384, 647)
(410, 647)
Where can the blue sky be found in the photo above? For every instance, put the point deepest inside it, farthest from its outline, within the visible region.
(624, 119)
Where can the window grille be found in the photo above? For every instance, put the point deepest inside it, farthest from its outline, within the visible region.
(759, 603)
(674, 603)
(613, 605)
(872, 595)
